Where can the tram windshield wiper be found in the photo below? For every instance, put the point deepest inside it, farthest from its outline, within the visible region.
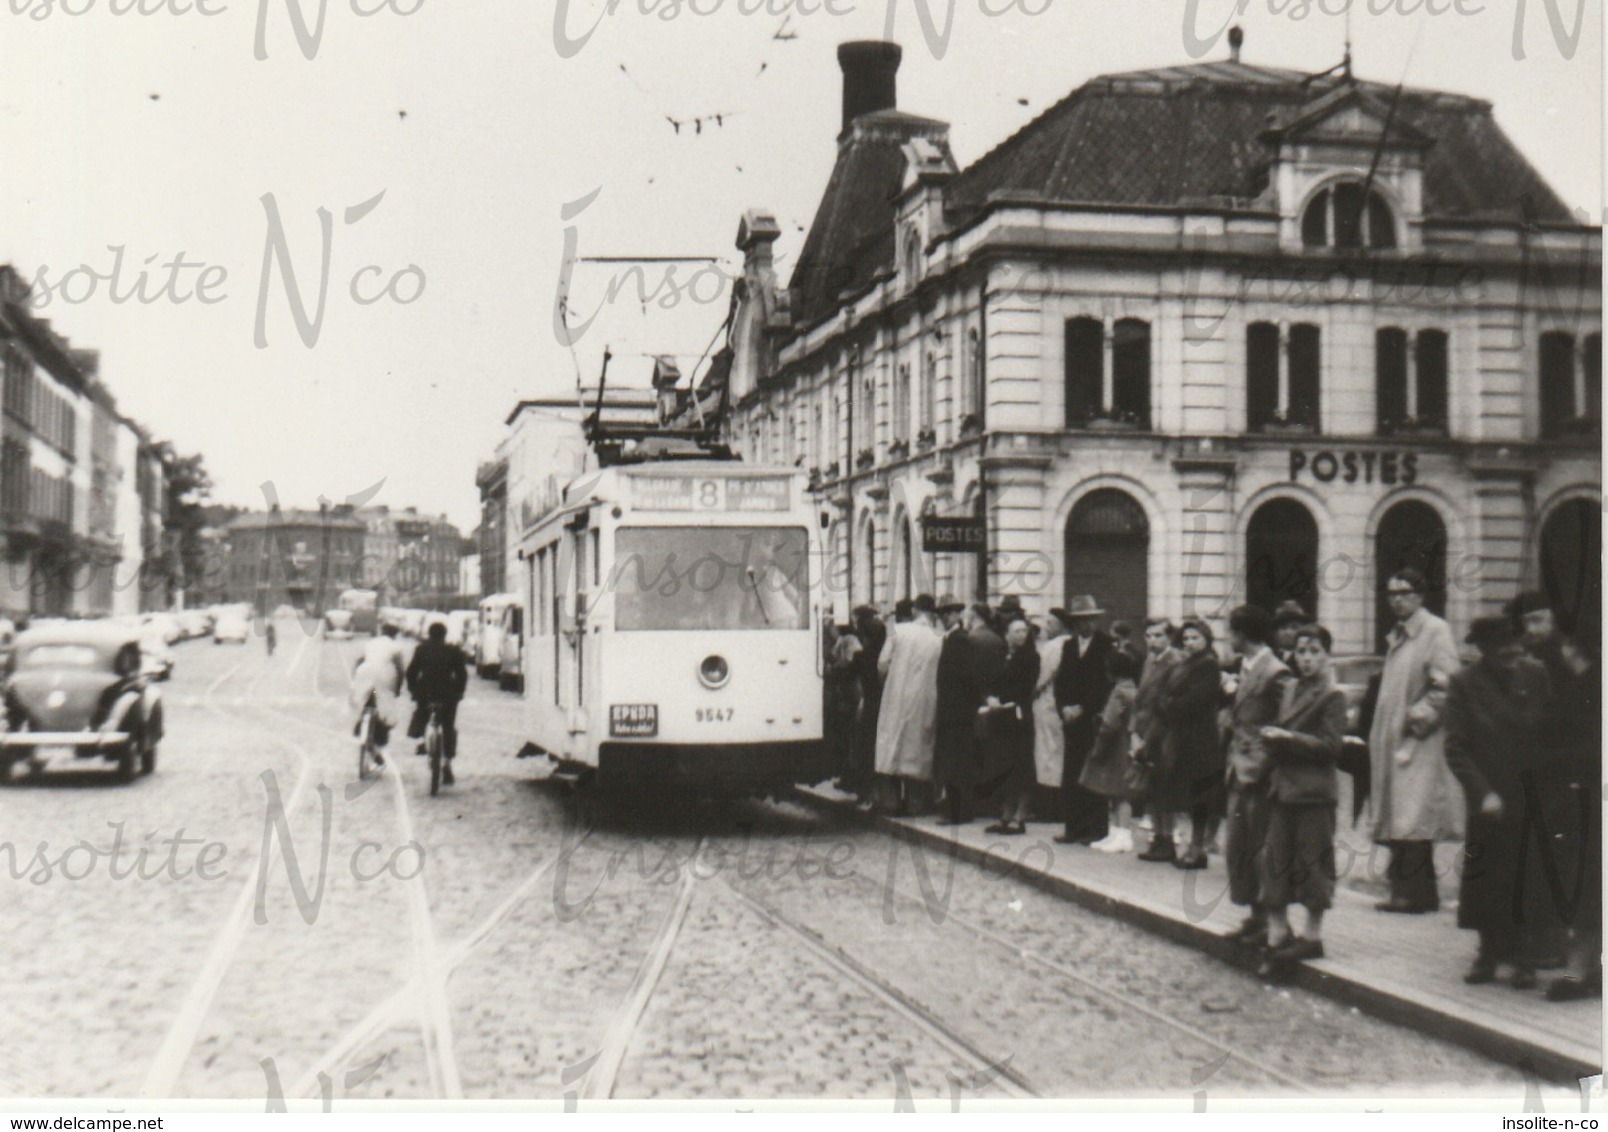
(753, 584)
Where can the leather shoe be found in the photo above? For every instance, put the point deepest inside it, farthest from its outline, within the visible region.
(1296, 950)
(1523, 978)
(1253, 932)
(1190, 861)
(1483, 970)
(1568, 988)
(1160, 851)
(1000, 827)
(1406, 907)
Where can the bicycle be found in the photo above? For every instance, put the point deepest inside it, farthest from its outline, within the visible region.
(368, 745)
(435, 745)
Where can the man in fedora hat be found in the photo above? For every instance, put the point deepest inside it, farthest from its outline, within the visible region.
(1081, 690)
(905, 727)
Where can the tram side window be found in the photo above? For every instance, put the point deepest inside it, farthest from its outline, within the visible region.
(710, 578)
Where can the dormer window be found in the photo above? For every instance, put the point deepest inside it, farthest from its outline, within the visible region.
(1334, 218)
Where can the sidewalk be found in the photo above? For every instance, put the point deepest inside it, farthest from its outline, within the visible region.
(1404, 969)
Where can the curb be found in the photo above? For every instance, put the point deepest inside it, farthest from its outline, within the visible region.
(1379, 1001)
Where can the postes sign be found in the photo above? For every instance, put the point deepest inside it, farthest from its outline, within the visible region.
(962, 535)
(1368, 466)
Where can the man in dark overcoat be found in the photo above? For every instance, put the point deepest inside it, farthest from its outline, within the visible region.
(1081, 690)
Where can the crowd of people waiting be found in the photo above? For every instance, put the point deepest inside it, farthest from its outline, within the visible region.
(969, 710)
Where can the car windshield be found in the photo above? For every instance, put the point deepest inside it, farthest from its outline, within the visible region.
(61, 656)
(711, 578)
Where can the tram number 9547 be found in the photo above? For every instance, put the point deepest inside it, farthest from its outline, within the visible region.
(714, 714)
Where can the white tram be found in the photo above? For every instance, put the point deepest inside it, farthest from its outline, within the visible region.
(671, 637)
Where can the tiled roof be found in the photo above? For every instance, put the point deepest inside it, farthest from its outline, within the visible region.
(1177, 134)
(851, 238)
(1159, 138)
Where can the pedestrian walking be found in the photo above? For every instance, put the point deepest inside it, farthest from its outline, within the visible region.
(1303, 749)
(1494, 714)
(270, 636)
(1106, 771)
(1416, 799)
(1188, 771)
(1258, 695)
(1081, 689)
(1008, 710)
(907, 721)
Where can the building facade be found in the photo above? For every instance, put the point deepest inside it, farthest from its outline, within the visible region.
(303, 559)
(411, 560)
(491, 478)
(1195, 336)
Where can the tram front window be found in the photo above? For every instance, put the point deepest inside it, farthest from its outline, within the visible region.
(710, 578)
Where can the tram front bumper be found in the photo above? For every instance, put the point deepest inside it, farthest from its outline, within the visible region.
(712, 768)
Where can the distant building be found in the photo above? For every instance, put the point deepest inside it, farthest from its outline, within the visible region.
(412, 560)
(303, 559)
(491, 478)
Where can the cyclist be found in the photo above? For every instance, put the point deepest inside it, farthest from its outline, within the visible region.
(378, 678)
(438, 675)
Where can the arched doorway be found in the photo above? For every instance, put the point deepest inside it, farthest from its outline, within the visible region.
(1108, 554)
(1571, 562)
(1410, 534)
(1281, 556)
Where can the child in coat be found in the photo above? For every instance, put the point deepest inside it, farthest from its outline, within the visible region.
(1105, 772)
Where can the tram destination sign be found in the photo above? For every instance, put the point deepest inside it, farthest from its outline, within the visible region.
(711, 493)
(962, 535)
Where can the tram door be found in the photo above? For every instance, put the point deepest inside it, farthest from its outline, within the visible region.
(572, 626)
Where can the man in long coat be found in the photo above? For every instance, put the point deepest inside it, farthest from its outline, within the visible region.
(1494, 716)
(1049, 736)
(1416, 800)
(908, 719)
(1081, 689)
(954, 768)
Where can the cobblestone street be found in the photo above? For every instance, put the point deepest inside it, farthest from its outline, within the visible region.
(510, 940)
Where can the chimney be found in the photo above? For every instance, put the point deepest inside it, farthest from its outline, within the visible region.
(1236, 40)
(870, 77)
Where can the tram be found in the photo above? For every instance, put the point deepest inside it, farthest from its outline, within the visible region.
(671, 640)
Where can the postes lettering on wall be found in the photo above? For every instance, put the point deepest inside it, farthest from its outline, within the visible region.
(1369, 466)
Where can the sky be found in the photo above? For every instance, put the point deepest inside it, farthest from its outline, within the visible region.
(451, 149)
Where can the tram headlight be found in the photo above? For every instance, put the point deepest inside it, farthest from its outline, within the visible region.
(714, 672)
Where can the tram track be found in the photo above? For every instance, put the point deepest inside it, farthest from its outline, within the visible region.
(179, 1040)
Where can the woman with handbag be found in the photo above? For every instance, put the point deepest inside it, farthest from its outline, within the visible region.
(1008, 711)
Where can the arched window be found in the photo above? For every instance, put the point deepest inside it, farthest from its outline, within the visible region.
(1281, 556)
(1410, 534)
(1571, 557)
(1335, 219)
(1283, 386)
(1108, 554)
(912, 257)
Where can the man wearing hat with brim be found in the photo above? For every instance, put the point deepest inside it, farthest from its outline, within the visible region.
(954, 769)
(1495, 712)
(908, 719)
(1081, 690)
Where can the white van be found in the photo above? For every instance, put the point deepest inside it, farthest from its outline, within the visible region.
(510, 673)
(489, 652)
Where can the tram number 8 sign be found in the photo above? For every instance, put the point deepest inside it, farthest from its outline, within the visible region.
(633, 721)
(724, 493)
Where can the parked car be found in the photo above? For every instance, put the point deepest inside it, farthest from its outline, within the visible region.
(194, 623)
(164, 623)
(338, 624)
(77, 691)
(231, 626)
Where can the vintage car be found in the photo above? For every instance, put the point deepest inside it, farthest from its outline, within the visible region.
(78, 691)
